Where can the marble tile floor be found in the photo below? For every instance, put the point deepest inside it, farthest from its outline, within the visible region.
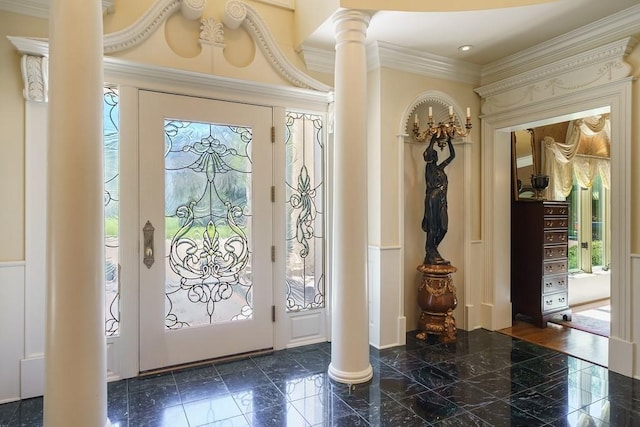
(484, 379)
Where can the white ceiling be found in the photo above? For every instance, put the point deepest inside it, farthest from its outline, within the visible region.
(493, 33)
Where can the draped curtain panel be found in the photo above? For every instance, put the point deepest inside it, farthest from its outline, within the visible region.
(585, 154)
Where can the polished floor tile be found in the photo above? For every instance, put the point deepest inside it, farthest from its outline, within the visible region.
(483, 379)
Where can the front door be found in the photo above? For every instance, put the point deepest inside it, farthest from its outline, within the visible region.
(206, 229)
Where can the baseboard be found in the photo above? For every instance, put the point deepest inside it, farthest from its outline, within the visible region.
(32, 376)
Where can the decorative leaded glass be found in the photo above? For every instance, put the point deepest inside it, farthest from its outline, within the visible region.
(305, 205)
(111, 209)
(208, 223)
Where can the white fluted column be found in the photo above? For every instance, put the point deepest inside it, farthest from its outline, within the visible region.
(350, 319)
(75, 352)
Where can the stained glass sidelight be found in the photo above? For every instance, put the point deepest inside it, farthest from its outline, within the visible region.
(304, 219)
(111, 209)
(208, 223)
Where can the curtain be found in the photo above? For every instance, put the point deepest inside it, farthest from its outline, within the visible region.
(580, 156)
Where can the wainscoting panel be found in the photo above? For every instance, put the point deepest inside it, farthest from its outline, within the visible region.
(11, 328)
(387, 321)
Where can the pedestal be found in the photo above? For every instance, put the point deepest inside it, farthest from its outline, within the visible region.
(437, 299)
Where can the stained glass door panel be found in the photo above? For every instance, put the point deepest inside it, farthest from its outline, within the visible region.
(205, 179)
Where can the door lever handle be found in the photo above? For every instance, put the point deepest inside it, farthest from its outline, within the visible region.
(147, 232)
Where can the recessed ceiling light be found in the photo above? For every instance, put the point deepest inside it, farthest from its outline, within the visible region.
(465, 47)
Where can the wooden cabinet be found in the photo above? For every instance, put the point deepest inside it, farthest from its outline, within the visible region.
(539, 265)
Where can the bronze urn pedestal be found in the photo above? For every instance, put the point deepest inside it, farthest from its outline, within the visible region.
(437, 299)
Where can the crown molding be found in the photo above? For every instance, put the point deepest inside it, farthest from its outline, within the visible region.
(318, 59)
(388, 55)
(382, 54)
(40, 8)
(603, 31)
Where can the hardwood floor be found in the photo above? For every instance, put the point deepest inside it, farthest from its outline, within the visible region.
(580, 344)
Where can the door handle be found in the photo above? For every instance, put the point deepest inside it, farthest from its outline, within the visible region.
(147, 232)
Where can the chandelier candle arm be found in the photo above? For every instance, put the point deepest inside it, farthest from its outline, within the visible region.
(442, 131)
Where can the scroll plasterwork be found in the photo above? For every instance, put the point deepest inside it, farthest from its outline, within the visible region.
(236, 13)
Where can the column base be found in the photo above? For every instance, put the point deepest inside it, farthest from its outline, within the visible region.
(437, 299)
(350, 377)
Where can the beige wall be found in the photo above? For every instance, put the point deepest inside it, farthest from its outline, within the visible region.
(396, 91)
(12, 168)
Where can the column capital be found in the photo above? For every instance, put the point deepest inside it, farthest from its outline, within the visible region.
(350, 25)
(35, 75)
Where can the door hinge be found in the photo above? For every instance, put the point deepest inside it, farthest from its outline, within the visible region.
(273, 134)
(273, 194)
(273, 254)
(273, 313)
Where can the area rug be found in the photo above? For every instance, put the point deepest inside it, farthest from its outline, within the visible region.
(595, 320)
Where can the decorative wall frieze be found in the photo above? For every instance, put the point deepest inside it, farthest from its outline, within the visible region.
(590, 69)
(35, 75)
(239, 13)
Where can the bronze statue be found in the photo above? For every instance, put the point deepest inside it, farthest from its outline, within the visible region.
(436, 220)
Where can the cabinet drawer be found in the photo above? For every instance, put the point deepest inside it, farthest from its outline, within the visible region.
(554, 284)
(555, 252)
(556, 222)
(554, 301)
(555, 267)
(555, 237)
(553, 210)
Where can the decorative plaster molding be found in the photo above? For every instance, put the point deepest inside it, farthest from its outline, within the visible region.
(593, 68)
(211, 32)
(193, 9)
(35, 75)
(236, 10)
(236, 13)
(40, 8)
(588, 37)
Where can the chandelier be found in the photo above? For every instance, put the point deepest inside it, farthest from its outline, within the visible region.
(442, 130)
